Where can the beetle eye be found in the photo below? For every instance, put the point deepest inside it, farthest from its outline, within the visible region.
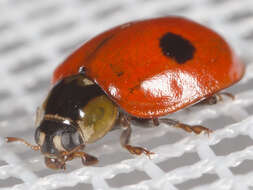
(65, 140)
(70, 140)
(37, 135)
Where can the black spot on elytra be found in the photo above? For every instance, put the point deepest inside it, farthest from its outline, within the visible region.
(176, 47)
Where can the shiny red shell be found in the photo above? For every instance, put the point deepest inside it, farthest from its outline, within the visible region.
(137, 71)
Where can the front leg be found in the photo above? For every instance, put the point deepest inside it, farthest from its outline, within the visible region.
(87, 159)
(125, 137)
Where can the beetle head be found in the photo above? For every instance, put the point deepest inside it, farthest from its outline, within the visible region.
(58, 140)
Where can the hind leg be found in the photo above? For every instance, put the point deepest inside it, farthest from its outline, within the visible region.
(197, 129)
(214, 99)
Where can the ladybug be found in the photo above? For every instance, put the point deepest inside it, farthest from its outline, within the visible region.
(140, 70)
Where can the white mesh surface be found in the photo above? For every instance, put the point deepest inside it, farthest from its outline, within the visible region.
(35, 36)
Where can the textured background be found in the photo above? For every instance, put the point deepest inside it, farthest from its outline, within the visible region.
(35, 36)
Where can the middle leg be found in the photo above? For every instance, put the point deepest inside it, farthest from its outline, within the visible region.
(125, 137)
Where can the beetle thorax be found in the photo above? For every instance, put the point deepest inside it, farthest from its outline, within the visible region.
(78, 105)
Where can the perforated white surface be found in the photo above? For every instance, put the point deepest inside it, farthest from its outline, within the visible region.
(35, 36)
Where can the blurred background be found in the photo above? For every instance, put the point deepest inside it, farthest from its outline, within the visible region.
(36, 36)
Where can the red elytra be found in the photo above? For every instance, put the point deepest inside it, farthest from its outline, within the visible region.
(155, 67)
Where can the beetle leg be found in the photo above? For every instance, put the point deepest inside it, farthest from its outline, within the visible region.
(87, 159)
(197, 129)
(156, 121)
(214, 99)
(125, 138)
